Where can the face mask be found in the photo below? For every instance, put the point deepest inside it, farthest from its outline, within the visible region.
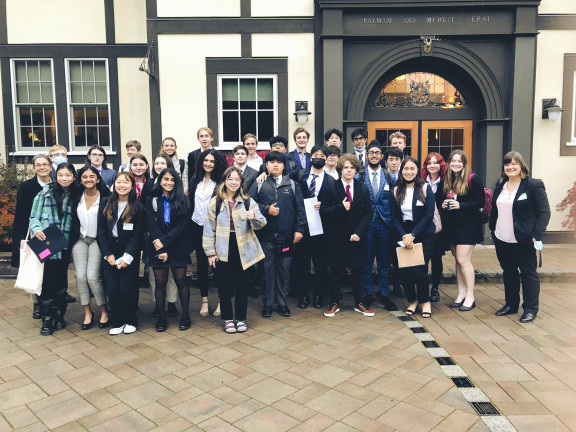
(360, 149)
(410, 181)
(60, 159)
(318, 163)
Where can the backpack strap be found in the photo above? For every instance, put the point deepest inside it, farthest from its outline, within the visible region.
(218, 206)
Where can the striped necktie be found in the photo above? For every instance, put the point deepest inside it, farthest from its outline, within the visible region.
(312, 187)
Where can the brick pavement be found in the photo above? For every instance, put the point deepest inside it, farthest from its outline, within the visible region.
(305, 373)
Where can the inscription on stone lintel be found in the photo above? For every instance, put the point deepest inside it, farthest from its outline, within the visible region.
(475, 19)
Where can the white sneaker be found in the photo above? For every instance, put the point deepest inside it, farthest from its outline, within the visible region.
(117, 330)
(241, 326)
(129, 329)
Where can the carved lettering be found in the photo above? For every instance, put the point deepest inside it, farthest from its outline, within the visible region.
(479, 19)
(410, 20)
(440, 19)
(378, 20)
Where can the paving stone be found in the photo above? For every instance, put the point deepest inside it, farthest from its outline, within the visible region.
(269, 391)
(20, 396)
(65, 412)
(131, 421)
(406, 417)
(143, 394)
(265, 420)
(201, 408)
(334, 404)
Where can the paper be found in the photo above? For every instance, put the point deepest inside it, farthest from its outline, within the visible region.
(410, 257)
(313, 217)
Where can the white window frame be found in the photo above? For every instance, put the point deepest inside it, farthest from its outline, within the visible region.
(82, 150)
(19, 149)
(572, 113)
(262, 144)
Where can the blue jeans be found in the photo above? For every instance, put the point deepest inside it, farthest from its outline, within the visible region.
(377, 247)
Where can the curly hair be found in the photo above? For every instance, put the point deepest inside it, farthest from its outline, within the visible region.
(219, 166)
(347, 157)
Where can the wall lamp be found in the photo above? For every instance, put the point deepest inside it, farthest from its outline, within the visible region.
(551, 109)
(302, 112)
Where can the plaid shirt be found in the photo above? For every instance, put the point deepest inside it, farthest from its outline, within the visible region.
(45, 213)
(216, 235)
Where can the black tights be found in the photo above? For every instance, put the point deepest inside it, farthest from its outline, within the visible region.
(161, 276)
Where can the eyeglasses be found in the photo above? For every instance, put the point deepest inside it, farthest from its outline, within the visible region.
(374, 153)
(59, 154)
(233, 180)
(359, 139)
(97, 154)
(42, 165)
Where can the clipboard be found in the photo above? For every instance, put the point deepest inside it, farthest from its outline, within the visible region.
(410, 257)
(313, 217)
(54, 243)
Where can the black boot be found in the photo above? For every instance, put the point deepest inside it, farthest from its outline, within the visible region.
(47, 326)
(434, 294)
(59, 322)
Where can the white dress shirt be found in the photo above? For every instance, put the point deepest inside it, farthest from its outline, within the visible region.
(254, 163)
(202, 197)
(319, 180)
(351, 187)
(89, 217)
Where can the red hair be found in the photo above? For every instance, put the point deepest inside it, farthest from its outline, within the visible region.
(440, 161)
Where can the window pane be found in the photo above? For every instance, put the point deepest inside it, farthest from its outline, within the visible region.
(265, 125)
(38, 137)
(26, 136)
(46, 92)
(38, 117)
(33, 71)
(247, 93)
(25, 116)
(75, 74)
(34, 88)
(458, 137)
(89, 96)
(104, 136)
(230, 94)
(49, 117)
(45, 71)
(265, 93)
(445, 137)
(230, 126)
(21, 71)
(50, 136)
(80, 136)
(247, 122)
(79, 119)
(102, 116)
(87, 71)
(92, 135)
(100, 71)
(76, 92)
(91, 116)
(22, 91)
(101, 94)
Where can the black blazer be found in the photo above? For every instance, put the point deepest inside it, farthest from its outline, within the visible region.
(129, 241)
(530, 214)
(468, 216)
(422, 215)
(342, 224)
(325, 192)
(250, 175)
(193, 157)
(173, 236)
(24, 200)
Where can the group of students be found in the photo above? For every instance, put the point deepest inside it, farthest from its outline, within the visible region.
(248, 220)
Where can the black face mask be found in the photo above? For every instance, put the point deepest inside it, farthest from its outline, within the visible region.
(318, 163)
(410, 181)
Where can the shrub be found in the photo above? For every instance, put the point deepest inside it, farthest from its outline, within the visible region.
(569, 203)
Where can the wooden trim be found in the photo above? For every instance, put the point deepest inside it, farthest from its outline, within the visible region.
(413, 125)
(463, 124)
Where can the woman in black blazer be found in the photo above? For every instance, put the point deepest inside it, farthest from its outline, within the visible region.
(520, 215)
(167, 215)
(349, 212)
(412, 204)
(121, 222)
(463, 198)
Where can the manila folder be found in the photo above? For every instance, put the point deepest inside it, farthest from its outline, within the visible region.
(410, 257)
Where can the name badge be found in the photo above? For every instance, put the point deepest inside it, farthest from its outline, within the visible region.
(128, 227)
(419, 203)
(387, 187)
(522, 197)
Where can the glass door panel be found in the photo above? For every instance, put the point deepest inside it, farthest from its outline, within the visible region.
(382, 130)
(446, 136)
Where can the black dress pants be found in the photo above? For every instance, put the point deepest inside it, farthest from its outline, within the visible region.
(54, 285)
(201, 258)
(518, 262)
(122, 292)
(232, 282)
(415, 279)
(310, 248)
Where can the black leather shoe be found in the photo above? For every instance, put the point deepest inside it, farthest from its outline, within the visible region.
(303, 302)
(104, 324)
(70, 299)
(59, 322)
(387, 304)
(434, 295)
(47, 326)
(172, 310)
(467, 308)
(161, 325)
(266, 311)
(506, 310)
(456, 305)
(527, 317)
(36, 311)
(185, 323)
(284, 311)
(318, 303)
(88, 326)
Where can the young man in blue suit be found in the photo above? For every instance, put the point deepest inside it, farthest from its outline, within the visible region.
(379, 184)
(300, 156)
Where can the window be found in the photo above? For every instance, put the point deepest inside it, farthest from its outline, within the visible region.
(33, 96)
(247, 104)
(568, 127)
(89, 112)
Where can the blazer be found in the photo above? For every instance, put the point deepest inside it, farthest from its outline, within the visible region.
(468, 216)
(293, 156)
(324, 193)
(27, 191)
(108, 176)
(342, 224)
(422, 215)
(129, 241)
(531, 215)
(250, 175)
(170, 235)
(380, 198)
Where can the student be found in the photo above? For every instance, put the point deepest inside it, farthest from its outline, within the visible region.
(170, 148)
(280, 201)
(377, 180)
(250, 141)
(240, 153)
(121, 222)
(132, 147)
(332, 155)
(333, 137)
(398, 140)
(462, 200)
(349, 213)
(393, 158)
(167, 216)
(359, 138)
(205, 138)
(140, 169)
(280, 144)
(412, 210)
(300, 156)
(520, 214)
(84, 246)
(54, 205)
(208, 173)
(315, 183)
(96, 157)
(27, 191)
(433, 172)
(231, 245)
(58, 154)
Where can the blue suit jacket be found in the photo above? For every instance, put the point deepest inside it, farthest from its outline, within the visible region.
(296, 158)
(380, 199)
(108, 176)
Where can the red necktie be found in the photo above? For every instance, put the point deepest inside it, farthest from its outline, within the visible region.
(348, 194)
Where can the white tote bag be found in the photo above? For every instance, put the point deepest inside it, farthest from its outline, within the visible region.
(31, 270)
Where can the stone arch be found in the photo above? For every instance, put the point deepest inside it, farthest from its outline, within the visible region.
(475, 67)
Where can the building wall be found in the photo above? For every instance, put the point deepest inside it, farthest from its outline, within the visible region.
(299, 48)
(183, 88)
(556, 171)
(263, 8)
(55, 21)
(130, 21)
(557, 7)
(195, 8)
(134, 99)
(2, 137)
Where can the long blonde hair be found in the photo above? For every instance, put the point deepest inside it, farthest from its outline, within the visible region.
(457, 183)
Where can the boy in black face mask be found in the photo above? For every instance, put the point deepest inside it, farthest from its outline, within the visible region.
(314, 182)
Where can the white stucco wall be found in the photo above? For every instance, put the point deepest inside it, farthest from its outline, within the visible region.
(557, 7)
(198, 8)
(279, 8)
(130, 21)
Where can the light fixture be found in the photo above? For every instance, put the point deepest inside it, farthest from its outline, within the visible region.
(302, 112)
(551, 109)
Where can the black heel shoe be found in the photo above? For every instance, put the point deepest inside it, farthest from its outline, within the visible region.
(161, 325)
(456, 305)
(184, 323)
(103, 325)
(467, 308)
(88, 326)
